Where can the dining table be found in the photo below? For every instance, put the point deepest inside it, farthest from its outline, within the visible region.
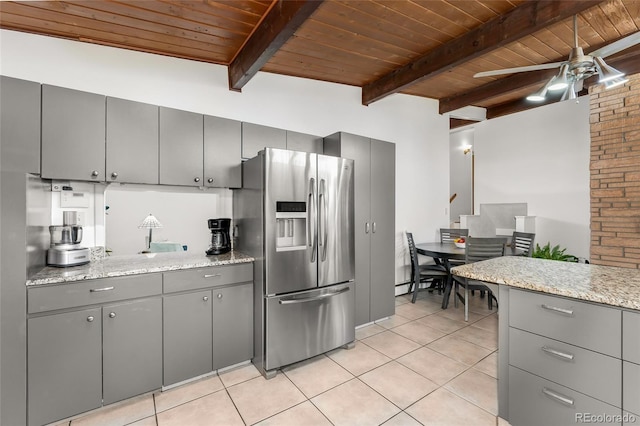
(446, 252)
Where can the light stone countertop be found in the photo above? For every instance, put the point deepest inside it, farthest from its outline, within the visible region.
(618, 287)
(117, 266)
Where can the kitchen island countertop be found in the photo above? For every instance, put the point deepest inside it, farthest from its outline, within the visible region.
(613, 286)
(117, 266)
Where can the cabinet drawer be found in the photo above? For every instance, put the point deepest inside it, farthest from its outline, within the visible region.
(631, 387)
(535, 401)
(631, 337)
(586, 371)
(582, 324)
(48, 298)
(207, 277)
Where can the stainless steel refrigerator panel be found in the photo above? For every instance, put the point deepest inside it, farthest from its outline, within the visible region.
(308, 323)
(290, 252)
(336, 250)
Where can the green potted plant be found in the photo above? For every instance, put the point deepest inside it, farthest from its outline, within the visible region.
(553, 253)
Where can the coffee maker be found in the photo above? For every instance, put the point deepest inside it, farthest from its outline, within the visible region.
(64, 249)
(220, 241)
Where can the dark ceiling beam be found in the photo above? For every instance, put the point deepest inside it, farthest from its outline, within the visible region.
(454, 123)
(278, 25)
(521, 21)
(628, 62)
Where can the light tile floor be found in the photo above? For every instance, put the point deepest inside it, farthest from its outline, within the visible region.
(423, 366)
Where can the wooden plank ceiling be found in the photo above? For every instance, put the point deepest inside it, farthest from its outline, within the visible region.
(428, 48)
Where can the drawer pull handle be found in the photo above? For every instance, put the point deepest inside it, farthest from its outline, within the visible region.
(95, 290)
(90, 318)
(112, 314)
(212, 275)
(558, 310)
(558, 397)
(562, 355)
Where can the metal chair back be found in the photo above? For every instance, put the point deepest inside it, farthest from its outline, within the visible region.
(523, 241)
(448, 235)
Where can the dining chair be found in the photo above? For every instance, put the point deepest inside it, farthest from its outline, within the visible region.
(449, 235)
(436, 275)
(523, 241)
(477, 249)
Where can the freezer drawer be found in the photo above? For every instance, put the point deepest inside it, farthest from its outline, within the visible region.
(308, 323)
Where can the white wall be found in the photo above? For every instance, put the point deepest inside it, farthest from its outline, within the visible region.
(412, 123)
(460, 169)
(540, 157)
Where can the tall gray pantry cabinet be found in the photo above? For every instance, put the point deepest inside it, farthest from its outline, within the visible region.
(374, 221)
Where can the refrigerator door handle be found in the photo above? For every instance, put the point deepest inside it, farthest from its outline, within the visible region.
(311, 220)
(322, 204)
(311, 299)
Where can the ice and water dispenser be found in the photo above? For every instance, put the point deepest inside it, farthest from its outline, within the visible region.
(291, 225)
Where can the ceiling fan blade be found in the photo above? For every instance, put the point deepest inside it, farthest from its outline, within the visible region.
(617, 46)
(519, 69)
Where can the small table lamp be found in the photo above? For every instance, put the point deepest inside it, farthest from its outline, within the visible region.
(150, 222)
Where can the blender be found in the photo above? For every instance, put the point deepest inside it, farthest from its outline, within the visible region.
(65, 249)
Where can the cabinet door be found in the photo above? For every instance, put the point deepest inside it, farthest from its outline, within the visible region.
(64, 365)
(222, 152)
(19, 125)
(181, 155)
(73, 134)
(132, 142)
(232, 325)
(187, 336)
(304, 142)
(383, 234)
(358, 148)
(256, 137)
(131, 348)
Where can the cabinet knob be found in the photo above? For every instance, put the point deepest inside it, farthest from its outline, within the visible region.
(219, 295)
(112, 314)
(90, 318)
(196, 179)
(94, 173)
(114, 175)
(210, 180)
(205, 298)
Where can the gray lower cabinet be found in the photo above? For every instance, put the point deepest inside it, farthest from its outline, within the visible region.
(64, 365)
(256, 137)
(132, 142)
(73, 134)
(222, 152)
(560, 359)
(374, 216)
(181, 155)
(19, 125)
(131, 348)
(232, 325)
(188, 334)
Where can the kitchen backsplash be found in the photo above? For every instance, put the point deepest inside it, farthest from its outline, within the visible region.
(110, 214)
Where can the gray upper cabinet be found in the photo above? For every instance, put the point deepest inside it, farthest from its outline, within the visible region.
(65, 365)
(232, 325)
(187, 336)
(132, 142)
(256, 137)
(131, 348)
(19, 125)
(181, 149)
(374, 187)
(73, 134)
(304, 142)
(222, 152)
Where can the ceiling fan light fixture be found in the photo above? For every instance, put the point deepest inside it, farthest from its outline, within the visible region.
(541, 94)
(559, 82)
(570, 92)
(606, 72)
(615, 82)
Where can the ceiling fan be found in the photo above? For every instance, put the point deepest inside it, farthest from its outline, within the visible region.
(577, 68)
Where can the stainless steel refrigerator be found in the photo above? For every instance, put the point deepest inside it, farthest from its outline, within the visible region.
(294, 215)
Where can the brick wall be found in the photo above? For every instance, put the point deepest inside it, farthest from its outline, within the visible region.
(615, 174)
